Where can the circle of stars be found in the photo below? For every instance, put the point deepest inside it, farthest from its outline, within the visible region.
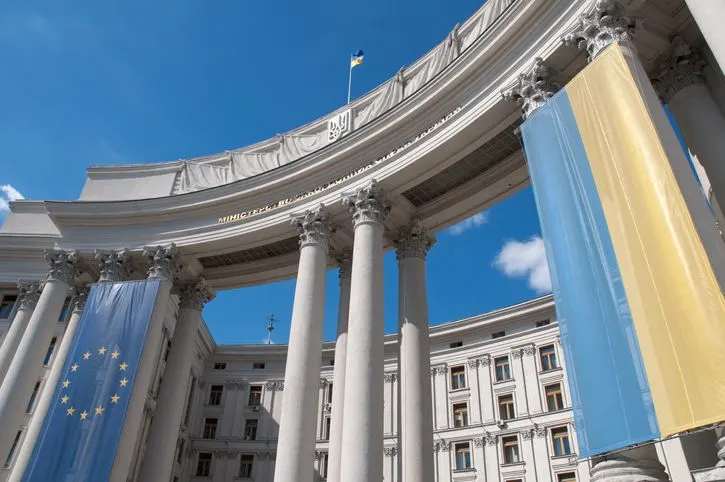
(113, 399)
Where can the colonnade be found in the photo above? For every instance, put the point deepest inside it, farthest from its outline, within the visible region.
(356, 433)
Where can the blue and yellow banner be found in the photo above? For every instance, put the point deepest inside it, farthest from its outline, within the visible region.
(635, 260)
(83, 426)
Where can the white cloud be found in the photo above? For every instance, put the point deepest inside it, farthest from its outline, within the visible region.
(467, 224)
(9, 193)
(519, 259)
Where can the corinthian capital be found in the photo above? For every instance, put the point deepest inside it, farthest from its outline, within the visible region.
(80, 296)
(414, 241)
(682, 68)
(603, 25)
(195, 295)
(113, 265)
(28, 294)
(533, 88)
(62, 265)
(164, 262)
(368, 204)
(313, 227)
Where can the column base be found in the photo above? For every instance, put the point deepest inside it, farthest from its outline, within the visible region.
(623, 469)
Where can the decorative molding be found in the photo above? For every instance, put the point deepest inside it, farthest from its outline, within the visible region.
(113, 264)
(414, 241)
(62, 265)
(327, 407)
(517, 353)
(682, 68)
(527, 434)
(533, 88)
(313, 227)
(390, 377)
(164, 262)
(338, 125)
(442, 446)
(539, 431)
(323, 383)
(368, 204)
(603, 25)
(344, 261)
(80, 296)
(276, 385)
(195, 294)
(490, 439)
(28, 295)
(484, 360)
(479, 441)
(234, 385)
(390, 451)
(439, 370)
(318, 454)
(529, 350)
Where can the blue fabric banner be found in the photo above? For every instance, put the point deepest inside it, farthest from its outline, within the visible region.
(83, 426)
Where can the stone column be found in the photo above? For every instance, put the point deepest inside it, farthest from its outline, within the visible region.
(338, 377)
(414, 390)
(46, 396)
(621, 468)
(27, 364)
(362, 436)
(296, 446)
(159, 463)
(708, 15)
(717, 473)
(601, 26)
(164, 265)
(680, 84)
(28, 294)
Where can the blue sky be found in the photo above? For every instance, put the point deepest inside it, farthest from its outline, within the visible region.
(87, 83)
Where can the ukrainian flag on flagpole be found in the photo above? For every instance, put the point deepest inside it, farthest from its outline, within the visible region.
(356, 58)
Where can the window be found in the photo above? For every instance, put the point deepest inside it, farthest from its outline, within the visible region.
(560, 440)
(566, 477)
(13, 448)
(65, 310)
(7, 305)
(180, 453)
(456, 344)
(510, 450)
(506, 407)
(328, 423)
(329, 392)
(332, 362)
(498, 334)
(548, 358)
(323, 464)
(258, 366)
(503, 369)
(220, 366)
(167, 350)
(210, 427)
(203, 465)
(189, 400)
(460, 414)
(33, 396)
(554, 398)
(246, 462)
(250, 429)
(255, 396)
(463, 456)
(458, 377)
(49, 353)
(215, 394)
(541, 323)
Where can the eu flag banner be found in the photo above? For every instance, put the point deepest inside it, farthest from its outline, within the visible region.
(83, 426)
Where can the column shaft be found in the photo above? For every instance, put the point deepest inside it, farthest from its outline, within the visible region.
(296, 446)
(362, 438)
(46, 397)
(28, 298)
(708, 15)
(164, 430)
(27, 364)
(414, 389)
(338, 377)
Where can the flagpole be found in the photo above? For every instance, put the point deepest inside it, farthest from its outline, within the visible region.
(349, 83)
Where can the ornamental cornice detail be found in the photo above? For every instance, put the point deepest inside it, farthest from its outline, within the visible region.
(682, 68)
(390, 451)
(313, 227)
(195, 295)
(517, 353)
(275, 386)
(164, 262)
(28, 295)
(442, 446)
(390, 377)
(439, 370)
(484, 360)
(323, 383)
(368, 204)
(234, 385)
(539, 431)
(62, 265)
(344, 261)
(527, 434)
(533, 88)
(603, 25)
(490, 439)
(414, 241)
(113, 264)
(80, 296)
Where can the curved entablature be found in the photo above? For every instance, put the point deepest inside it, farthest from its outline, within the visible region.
(177, 177)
